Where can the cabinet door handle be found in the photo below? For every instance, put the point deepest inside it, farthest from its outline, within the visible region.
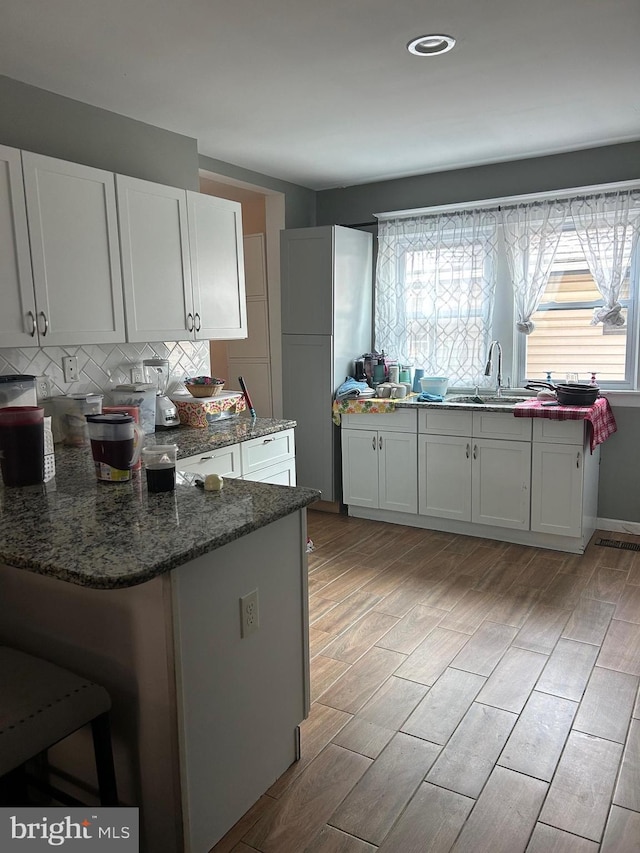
(578, 459)
(46, 323)
(373, 442)
(380, 443)
(475, 451)
(468, 450)
(197, 322)
(34, 326)
(189, 322)
(204, 458)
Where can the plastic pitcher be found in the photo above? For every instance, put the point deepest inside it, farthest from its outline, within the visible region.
(116, 442)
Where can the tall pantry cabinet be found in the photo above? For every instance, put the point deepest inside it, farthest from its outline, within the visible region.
(327, 293)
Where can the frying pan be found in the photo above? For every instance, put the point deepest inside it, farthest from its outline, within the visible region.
(569, 393)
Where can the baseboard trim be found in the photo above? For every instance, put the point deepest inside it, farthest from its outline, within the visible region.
(618, 525)
(326, 506)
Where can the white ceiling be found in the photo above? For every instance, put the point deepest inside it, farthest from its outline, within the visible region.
(324, 93)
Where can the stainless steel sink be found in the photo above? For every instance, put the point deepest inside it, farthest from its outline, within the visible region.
(486, 400)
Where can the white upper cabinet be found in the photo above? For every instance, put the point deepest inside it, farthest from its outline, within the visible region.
(17, 300)
(71, 213)
(156, 268)
(182, 263)
(217, 267)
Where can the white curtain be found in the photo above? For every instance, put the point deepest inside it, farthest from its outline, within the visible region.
(531, 233)
(435, 283)
(607, 227)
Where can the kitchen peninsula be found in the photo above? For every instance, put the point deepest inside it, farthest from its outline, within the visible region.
(140, 592)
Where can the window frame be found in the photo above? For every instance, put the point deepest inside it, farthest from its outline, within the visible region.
(631, 382)
(503, 325)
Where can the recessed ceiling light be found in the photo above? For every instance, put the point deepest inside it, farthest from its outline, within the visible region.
(430, 45)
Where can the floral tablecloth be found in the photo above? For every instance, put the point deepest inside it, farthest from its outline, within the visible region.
(370, 406)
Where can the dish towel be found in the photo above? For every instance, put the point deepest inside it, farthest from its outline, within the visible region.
(430, 398)
(352, 389)
(602, 423)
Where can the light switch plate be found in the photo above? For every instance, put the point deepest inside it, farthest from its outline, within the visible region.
(70, 368)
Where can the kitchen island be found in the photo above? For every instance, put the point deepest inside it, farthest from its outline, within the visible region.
(141, 592)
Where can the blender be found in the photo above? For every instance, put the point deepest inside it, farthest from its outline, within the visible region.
(156, 372)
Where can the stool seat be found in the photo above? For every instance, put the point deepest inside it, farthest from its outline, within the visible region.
(42, 703)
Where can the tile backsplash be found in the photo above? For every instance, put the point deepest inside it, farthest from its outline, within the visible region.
(102, 367)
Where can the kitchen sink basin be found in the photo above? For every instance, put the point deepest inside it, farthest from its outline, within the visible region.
(486, 400)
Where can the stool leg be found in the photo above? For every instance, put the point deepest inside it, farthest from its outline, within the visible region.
(104, 760)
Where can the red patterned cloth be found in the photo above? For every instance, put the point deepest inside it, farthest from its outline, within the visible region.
(602, 423)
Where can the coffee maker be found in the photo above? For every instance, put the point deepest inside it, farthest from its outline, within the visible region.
(156, 372)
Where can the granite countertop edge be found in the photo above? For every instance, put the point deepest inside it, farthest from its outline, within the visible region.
(112, 536)
(456, 407)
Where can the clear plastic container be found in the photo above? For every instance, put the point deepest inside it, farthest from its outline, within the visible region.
(70, 410)
(116, 442)
(143, 396)
(18, 391)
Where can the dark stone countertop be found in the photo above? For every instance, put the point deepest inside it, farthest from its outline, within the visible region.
(192, 441)
(112, 535)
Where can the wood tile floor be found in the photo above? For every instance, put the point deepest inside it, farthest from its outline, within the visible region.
(468, 695)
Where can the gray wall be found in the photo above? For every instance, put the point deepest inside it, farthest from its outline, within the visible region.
(40, 121)
(300, 202)
(619, 494)
(352, 205)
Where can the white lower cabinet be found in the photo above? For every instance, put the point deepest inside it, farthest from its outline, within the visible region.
(500, 483)
(267, 459)
(482, 480)
(444, 464)
(379, 469)
(479, 473)
(564, 480)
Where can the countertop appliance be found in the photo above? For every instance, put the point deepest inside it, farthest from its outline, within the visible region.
(156, 372)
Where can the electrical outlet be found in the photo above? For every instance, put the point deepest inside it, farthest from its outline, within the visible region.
(43, 387)
(136, 374)
(249, 613)
(70, 368)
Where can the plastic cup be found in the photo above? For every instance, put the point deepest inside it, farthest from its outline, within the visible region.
(22, 445)
(159, 463)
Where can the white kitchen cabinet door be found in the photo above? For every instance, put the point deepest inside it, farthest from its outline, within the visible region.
(379, 469)
(360, 467)
(397, 472)
(71, 211)
(156, 268)
(557, 489)
(17, 299)
(501, 483)
(217, 267)
(444, 480)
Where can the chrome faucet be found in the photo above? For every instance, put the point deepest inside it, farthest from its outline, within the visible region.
(487, 370)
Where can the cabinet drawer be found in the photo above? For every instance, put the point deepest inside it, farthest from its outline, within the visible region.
(282, 474)
(444, 422)
(498, 425)
(399, 421)
(558, 432)
(224, 461)
(267, 450)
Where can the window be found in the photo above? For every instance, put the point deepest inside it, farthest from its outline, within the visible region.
(449, 281)
(435, 293)
(564, 342)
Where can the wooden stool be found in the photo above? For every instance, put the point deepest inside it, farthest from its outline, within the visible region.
(41, 704)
